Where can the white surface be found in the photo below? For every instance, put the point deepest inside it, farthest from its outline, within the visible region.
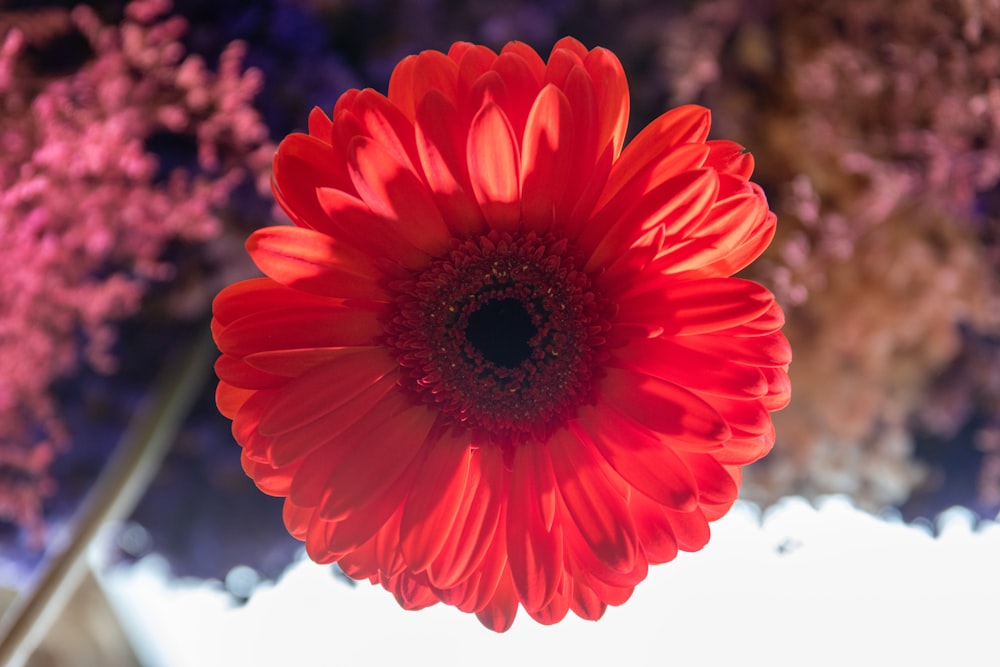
(847, 588)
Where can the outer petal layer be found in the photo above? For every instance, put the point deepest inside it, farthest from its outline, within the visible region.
(332, 365)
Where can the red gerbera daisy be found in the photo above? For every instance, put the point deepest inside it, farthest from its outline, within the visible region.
(499, 361)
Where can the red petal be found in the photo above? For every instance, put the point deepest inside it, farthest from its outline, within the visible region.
(562, 61)
(434, 502)
(585, 602)
(325, 388)
(320, 125)
(459, 49)
(736, 216)
(246, 422)
(318, 539)
(245, 297)
(417, 76)
(522, 88)
(689, 307)
(715, 511)
(435, 73)
(494, 168)
(691, 368)
(302, 164)
(730, 158)
(641, 458)
(610, 593)
(473, 62)
(659, 169)
(749, 249)
(323, 324)
(498, 615)
(722, 253)
(731, 225)
(308, 260)
(394, 192)
(238, 373)
(585, 177)
(715, 485)
(263, 295)
(296, 519)
(612, 95)
(401, 92)
(411, 591)
(361, 525)
(570, 45)
(678, 201)
(742, 450)
(652, 525)
(690, 528)
(770, 350)
(373, 116)
(534, 551)
(442, 156)
(229, 399)
(582, 210)
(272, 481)
(349, 219)
(326, 428)
(558, 607)
(362, 563)
(530, 57)
(346, 101)
(687, 124)
(779, 388)
(549, 142)
(768, 324)
(488, 89)
(598, 511)
(664, 407)
(292, 363)
(594, 572)
(312, 481)
(388, 557)
(375, 460)
(746, 418)
(475, 524)
(476, 592)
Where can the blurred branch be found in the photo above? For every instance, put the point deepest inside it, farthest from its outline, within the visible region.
(121, 485)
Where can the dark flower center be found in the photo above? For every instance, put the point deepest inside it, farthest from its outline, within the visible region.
(503, 335)
(501, 330)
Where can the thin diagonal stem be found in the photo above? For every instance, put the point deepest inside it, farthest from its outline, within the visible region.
(120, 486)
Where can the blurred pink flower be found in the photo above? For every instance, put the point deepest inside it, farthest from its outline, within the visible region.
(876, 125)
(85, 210)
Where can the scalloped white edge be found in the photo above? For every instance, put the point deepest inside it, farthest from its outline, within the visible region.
(798, 584)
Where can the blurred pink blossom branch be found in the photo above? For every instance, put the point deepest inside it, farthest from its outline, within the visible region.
(876, 128)
(86, 211)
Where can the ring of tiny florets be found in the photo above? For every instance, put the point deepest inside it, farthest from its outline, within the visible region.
(551, 372)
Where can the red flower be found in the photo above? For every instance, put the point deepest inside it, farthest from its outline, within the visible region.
(498, 361)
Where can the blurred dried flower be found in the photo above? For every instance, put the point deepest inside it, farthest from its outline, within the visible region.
(877, 127)
(88, 206)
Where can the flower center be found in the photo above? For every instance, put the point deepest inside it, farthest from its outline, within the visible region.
(501, 330)
(503, 335)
